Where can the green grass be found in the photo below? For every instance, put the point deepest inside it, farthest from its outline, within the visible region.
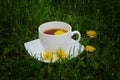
(19, 22)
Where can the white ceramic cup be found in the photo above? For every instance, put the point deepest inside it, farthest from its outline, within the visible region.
(55, 42)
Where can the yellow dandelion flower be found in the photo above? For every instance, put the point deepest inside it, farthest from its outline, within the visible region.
(58, 32)
(90, 48)
(61, 54)
(91, 33)
(47, 55)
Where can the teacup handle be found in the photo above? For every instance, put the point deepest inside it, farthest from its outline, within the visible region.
(79, 35)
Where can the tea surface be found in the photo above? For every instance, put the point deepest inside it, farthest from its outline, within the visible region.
(55, 31)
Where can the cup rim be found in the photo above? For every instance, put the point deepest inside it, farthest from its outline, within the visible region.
(54, 22)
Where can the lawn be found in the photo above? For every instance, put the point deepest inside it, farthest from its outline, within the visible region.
(19, 22)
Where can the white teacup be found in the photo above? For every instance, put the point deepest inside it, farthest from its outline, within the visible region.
(55, 42)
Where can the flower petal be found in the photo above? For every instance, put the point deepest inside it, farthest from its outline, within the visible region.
(61, 54)
(90, 48)
(47, 55)
(91, 33)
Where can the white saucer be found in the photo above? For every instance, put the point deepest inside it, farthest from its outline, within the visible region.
(35, 49)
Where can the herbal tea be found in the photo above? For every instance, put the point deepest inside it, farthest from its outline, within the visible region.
(55, 31)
